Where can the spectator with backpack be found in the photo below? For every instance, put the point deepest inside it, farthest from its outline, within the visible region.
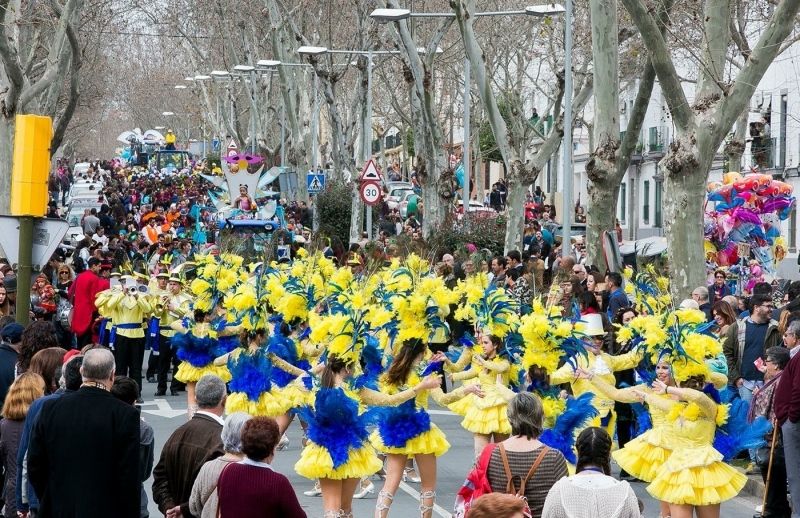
(521, 458)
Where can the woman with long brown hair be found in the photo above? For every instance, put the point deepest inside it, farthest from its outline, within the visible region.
(338, 452)
(418, 437)
(5, 304)
(723, 316)
(46, 363)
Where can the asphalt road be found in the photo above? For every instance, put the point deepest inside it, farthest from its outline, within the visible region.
(168, 413)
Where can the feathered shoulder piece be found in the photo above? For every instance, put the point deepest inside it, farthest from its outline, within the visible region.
(734, 433)
(494, 311)
(217, 277)
(577, 413)
(648, 290)
(547, 337)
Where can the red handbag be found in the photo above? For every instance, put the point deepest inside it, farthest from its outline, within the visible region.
(476, 484)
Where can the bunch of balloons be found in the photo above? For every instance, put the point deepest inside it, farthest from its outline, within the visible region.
(747, 209)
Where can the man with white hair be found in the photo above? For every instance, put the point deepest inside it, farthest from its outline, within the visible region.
(203, 502)
(700, 295)
(189, 447)
(87, 440)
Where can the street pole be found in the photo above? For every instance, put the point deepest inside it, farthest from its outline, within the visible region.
(283, 135)
(255, 111)
(566, 210)
(314, 136)
(24, 269)
(315, 127)
(368, 134)
(465, 157)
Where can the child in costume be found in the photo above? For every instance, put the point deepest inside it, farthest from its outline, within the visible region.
(486, 416)
(251, 387)
(595, 360)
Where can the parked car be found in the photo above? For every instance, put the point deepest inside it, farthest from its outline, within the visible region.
(396, 197)
(476, 208)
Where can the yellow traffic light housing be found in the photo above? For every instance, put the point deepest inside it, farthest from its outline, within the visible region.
(31, 166)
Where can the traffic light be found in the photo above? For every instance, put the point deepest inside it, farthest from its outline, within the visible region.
(31, 165)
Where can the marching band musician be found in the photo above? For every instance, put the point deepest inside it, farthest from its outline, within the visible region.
(130, 308)
(172, 305)
(157, 288)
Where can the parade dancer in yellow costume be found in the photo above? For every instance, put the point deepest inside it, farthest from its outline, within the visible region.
(196, 345)
(251, 388)
(694, 478)
(486, 416)
(406, 431)
(338, 451)
(645, 454)
(600, 364)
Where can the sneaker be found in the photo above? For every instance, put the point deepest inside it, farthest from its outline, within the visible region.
(363, 490)
(750, 469)
(283, 443)
(315, 491)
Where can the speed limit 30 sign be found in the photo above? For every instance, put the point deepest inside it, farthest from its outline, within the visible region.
(370, 193)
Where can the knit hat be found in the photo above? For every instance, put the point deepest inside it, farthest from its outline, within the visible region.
(12, 332)
(10, 283)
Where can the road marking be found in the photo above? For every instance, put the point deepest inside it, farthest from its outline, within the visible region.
(164, 409)
(438, 509)
(441, 412)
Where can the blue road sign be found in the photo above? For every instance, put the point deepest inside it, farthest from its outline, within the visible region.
(315, 182)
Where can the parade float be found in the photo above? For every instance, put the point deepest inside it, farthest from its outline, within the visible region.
(153, 151)
(742, 225)
(246, 208)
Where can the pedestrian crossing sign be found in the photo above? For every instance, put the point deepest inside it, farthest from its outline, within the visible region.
(315, 182)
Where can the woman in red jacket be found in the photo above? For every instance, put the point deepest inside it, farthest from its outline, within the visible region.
(251, 488)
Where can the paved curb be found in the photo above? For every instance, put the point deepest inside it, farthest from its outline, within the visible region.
(754, 486)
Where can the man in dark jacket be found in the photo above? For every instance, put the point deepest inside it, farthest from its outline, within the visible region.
(188, 448)
(87, 441)
(9, 350)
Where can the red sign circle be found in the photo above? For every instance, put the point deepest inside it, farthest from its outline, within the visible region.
(371, 193)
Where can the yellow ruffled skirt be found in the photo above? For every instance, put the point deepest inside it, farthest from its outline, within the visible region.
(269, 404)
(431, 442)
(643, 456)
(696, 476)
(315, 462)
(485, 415)
(188, 373)
(296, 396)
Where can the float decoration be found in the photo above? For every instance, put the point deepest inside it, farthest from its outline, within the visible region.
(747, 209)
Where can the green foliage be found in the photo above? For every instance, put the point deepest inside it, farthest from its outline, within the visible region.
(409, 142)
(213, 158)
(334, 208)
(508, 104)
(482, 231)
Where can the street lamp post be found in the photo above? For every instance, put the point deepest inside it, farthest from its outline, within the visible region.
(250, 70)
(308, 50)
(396, 15)
(566, 245)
